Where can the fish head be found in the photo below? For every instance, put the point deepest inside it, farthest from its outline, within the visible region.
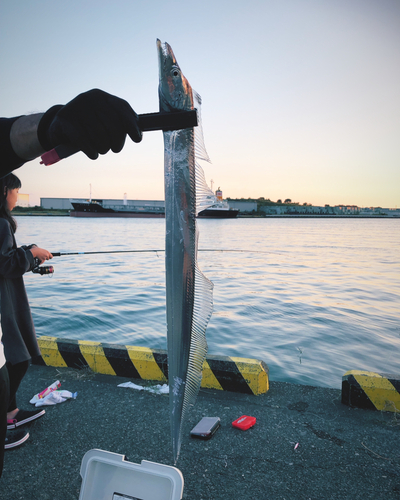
(174, 90)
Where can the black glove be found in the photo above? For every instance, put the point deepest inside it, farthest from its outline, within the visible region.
(94, 122)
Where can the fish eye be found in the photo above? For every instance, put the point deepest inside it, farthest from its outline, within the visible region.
(175, 72)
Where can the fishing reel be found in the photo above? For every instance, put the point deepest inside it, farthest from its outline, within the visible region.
(38, 269)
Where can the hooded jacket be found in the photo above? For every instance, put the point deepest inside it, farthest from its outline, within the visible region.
(19, 337)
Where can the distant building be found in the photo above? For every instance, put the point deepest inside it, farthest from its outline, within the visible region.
(328, 210)
(347, 209)
(243, 206)
(65, 203)
(389, 212)
(309, 210)
(23, 200)
(56, 203)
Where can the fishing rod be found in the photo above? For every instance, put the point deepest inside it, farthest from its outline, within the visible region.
(42, 270)
(175, 120)
(50, 269)
(61, 254)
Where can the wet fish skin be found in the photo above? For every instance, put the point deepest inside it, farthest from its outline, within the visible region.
(186, 287)
(174, 91)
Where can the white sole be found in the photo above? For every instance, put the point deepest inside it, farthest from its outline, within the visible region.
(26, 421)
(16, 443)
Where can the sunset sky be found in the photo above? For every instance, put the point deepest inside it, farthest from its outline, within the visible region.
(300, 97)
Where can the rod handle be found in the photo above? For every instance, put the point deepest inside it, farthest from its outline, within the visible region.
(174, 120)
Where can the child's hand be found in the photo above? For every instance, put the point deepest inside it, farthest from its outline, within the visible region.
(41, 254)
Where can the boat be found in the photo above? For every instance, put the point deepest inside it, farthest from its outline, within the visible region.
(218, 210)
(97, 208)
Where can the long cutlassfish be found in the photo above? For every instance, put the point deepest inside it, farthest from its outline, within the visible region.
(188, 292)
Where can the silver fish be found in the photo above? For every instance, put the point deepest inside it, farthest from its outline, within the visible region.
(188, 292)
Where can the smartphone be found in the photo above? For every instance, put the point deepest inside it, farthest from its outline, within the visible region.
(206, 428)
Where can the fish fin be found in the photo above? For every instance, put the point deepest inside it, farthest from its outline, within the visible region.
(204, 196)
(199, 145)
(202, 310)
(203, 287)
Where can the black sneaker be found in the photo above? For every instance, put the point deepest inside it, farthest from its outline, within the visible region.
(15, 438)
(23, 417)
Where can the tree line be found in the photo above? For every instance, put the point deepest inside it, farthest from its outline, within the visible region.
(264, 202)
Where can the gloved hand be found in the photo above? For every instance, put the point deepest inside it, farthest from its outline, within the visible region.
(94, 122)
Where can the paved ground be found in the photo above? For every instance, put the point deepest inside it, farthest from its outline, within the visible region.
(343, 453)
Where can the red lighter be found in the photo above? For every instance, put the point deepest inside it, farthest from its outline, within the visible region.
(244, 422)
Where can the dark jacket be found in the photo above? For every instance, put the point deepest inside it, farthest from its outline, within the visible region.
(9, 161)
(19, 337)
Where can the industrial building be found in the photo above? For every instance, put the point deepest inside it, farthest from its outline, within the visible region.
(23, 200)
(65, 203)
(243, 206)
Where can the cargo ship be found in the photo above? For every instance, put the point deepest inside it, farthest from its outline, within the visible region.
(98, 208)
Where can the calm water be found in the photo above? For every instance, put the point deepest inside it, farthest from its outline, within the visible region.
(322, 296)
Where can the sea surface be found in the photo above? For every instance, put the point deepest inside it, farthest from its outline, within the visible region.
(313, 298)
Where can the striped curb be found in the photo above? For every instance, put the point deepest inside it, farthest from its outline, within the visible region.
(374, 391)
(248, 376)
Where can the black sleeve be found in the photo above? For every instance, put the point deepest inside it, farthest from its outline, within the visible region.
(14, 262)
(9, 161)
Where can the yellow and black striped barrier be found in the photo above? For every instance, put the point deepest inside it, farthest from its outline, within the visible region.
(375, 391)
(249, 376)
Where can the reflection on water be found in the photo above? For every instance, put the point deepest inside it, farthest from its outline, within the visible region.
(313, 299)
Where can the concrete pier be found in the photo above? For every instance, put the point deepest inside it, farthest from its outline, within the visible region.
(305, 444)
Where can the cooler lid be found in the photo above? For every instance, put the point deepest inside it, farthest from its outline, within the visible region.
(108, 476)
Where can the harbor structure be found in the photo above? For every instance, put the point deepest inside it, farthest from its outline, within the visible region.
(242, 206)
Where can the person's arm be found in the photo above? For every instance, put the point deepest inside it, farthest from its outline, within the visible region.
(9, 160)
(14, 262)
(94, 122)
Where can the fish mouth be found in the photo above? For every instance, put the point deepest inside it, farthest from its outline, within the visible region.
(166, 58)
(165, 51)
(161, 47)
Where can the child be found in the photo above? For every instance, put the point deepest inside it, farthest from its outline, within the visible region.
(19, 337)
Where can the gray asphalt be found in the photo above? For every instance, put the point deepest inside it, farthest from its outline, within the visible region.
(342, 452)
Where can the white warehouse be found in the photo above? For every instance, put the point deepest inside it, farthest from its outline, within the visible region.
(65, 203)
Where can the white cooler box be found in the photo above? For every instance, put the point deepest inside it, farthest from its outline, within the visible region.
(108, 476)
